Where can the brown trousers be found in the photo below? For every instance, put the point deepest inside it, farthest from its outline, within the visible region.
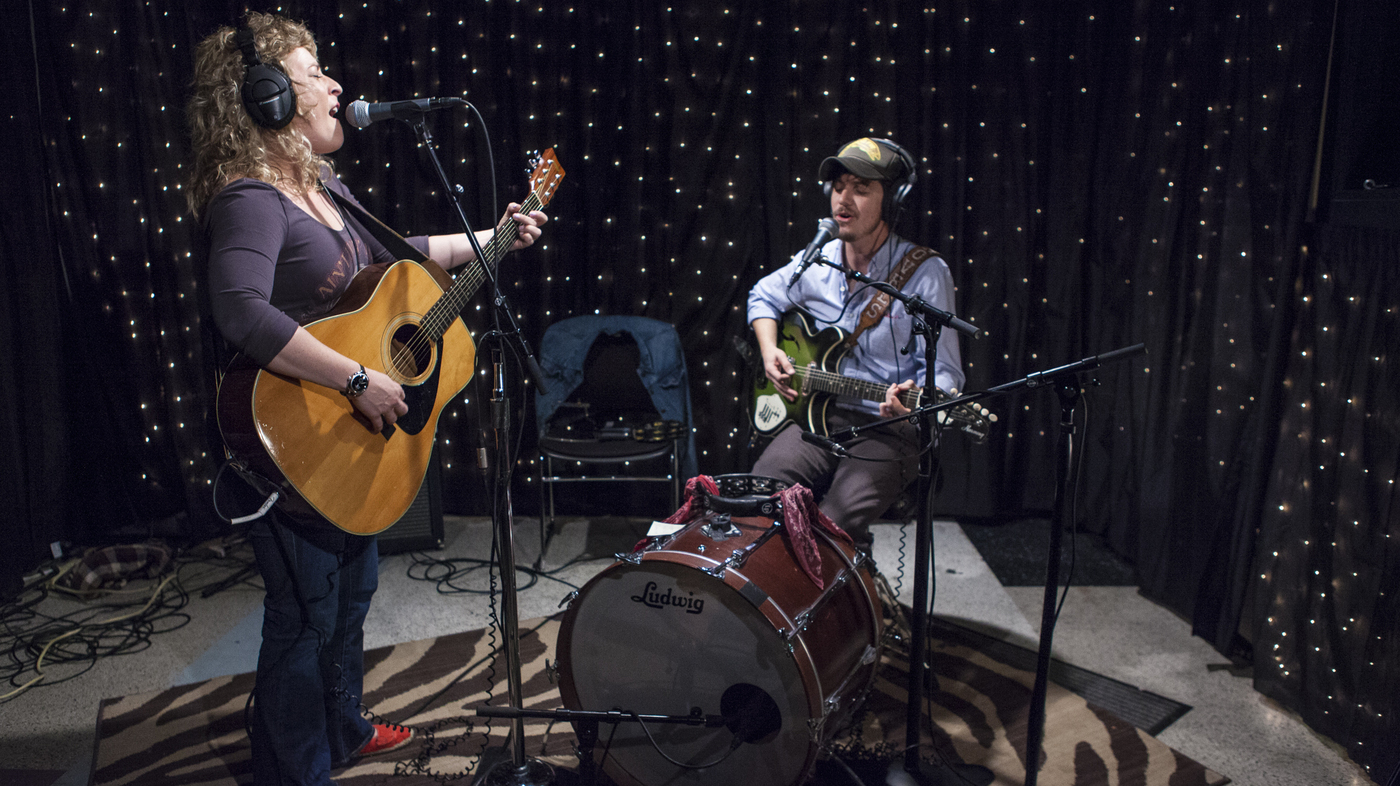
(855, 490)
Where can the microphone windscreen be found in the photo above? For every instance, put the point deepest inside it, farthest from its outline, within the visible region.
(358, 113)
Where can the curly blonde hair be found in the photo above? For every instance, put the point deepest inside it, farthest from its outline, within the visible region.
(227, 143)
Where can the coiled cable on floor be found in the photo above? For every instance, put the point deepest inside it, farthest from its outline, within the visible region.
(52, 633)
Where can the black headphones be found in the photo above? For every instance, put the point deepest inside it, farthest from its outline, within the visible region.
(267, 91)
(894, 197)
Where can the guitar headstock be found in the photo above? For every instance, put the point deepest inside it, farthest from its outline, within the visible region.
(545, 176)
(971, 418)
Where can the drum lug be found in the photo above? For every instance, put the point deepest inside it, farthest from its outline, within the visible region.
(868, 657)
(800, 622)
(816, 727)
(568, 600)
(631, 558)
(737, 559)
(551, 671)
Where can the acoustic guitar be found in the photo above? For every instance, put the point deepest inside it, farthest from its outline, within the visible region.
(310, 443)
(815, 356)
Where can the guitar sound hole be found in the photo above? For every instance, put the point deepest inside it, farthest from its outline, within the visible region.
(412, 352)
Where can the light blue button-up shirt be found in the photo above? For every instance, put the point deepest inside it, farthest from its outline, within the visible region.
(827, 295)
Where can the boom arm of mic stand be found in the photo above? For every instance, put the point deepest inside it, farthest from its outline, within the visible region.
(1034, 379)
(498, 297)
(912, 303)
(586, 726)
(608, 716)
(1039, 378)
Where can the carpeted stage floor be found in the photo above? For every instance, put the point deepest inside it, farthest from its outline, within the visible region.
(193, 734)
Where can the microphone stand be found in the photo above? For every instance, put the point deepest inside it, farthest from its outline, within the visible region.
(1066, 384)
(520, 771)
(586, 722)
(1067, 387)
(928, 321)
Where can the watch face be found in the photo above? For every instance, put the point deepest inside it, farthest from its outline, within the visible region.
(357, 383)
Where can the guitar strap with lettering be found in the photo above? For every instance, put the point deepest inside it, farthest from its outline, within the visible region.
(875, 310)
(400, 248)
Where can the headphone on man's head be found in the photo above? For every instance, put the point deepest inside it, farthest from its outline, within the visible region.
(905, 183)
(894, 197)
(267, 91)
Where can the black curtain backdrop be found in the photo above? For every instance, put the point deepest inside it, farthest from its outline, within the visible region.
(1097, 174)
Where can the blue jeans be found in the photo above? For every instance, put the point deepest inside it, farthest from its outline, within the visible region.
(306, 718)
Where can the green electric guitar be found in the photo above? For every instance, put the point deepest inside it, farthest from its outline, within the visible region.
(815, 356)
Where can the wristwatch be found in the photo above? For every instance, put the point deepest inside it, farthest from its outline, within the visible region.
(356, 384)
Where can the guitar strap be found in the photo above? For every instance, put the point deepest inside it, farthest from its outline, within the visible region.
(400, 248)
(875, 310)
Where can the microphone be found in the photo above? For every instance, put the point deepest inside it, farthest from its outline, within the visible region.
(826, 229)
(362, 113)
(829, 445)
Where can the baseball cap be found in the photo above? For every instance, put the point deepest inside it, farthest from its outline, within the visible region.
(865, 157)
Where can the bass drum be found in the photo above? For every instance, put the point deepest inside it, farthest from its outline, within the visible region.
(719, 618)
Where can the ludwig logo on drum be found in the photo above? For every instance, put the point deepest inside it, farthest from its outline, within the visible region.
(660, 600)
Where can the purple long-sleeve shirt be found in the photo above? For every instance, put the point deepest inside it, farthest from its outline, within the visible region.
(273, 266)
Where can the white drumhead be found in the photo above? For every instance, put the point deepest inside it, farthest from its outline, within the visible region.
(660, 638)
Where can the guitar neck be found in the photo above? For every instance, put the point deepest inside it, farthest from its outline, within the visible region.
(440, 316)
(814, 380)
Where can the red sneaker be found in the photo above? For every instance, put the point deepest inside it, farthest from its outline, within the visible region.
(387, 737)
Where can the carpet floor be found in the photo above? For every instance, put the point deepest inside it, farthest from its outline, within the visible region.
(193, 734)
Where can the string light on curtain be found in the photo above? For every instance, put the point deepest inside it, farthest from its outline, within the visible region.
(697, 131)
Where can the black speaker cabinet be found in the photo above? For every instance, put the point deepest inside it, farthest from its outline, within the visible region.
(1363, 137)
(420, 528)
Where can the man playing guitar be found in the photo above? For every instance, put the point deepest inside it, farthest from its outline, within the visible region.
(867, 181)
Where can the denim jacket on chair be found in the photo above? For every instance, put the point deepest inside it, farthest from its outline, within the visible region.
(564, 349)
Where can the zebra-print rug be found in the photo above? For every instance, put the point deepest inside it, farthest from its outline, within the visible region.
(193, 734)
